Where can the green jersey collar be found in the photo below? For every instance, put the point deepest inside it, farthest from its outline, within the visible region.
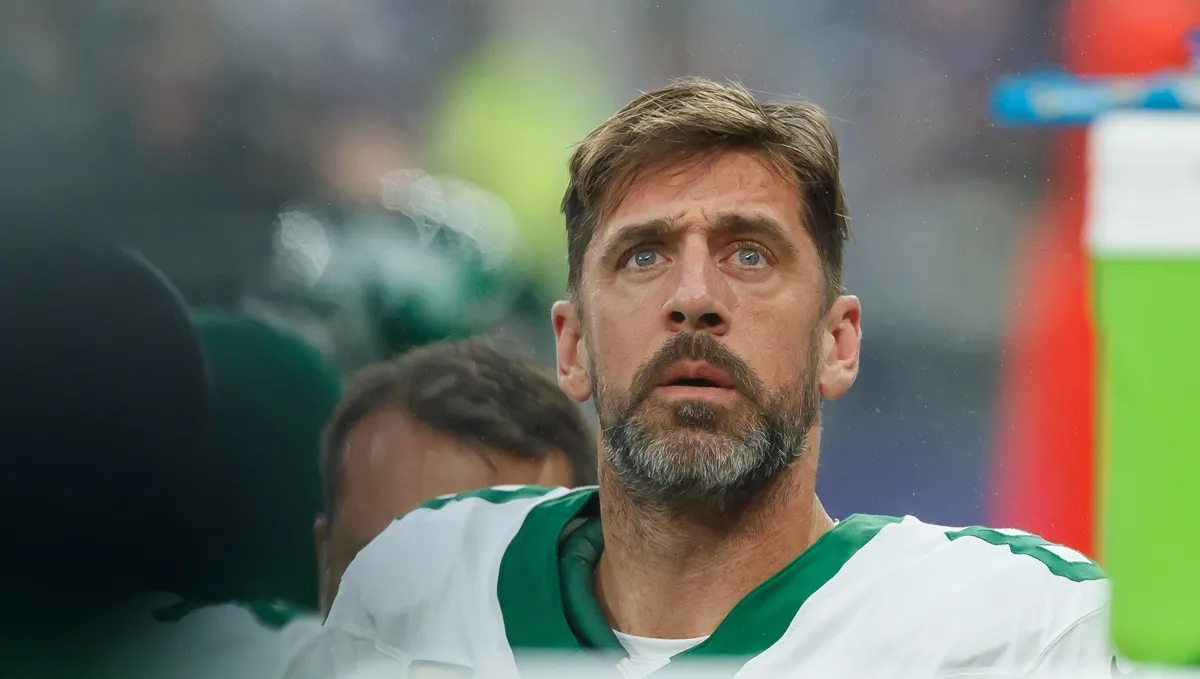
(546, 596)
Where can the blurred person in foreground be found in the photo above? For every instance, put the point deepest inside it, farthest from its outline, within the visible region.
(273, 393)
(447, 418)
(706, 314)
(104, 402)
(244, 602)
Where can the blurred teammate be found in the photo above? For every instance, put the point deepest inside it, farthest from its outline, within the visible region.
(104, 401)
(706, 315)
(244, 601)
(447, 418)
(273, 393)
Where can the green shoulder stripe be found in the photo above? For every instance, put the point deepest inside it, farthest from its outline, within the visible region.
(496, 496)
(273, 615)
(1027, 544)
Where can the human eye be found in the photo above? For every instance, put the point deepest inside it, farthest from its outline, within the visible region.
(641, 259)
(749, 256)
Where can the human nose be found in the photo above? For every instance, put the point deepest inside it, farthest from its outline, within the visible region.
(695, 305)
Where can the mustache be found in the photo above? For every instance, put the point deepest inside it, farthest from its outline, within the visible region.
(695, 346)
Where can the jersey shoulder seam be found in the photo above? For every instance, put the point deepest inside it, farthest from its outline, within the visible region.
(1063, 634)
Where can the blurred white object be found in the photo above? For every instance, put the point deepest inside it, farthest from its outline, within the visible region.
(304, 248)
(439, 202)
(431, 256)
(1145, 169)
(219, 641)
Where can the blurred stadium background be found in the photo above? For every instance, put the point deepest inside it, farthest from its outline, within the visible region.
(186, 127)
(377, 174)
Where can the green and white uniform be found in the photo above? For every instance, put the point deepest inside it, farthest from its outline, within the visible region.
(465, 584)
(169, 638)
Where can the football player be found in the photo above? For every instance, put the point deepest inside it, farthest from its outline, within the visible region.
(441, 419)
(239, 604)
(706, 315)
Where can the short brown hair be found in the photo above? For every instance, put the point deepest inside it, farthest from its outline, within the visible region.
(473, 390)
(693, 116)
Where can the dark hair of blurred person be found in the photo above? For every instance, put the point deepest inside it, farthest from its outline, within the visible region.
(445, 418)
(104, 402)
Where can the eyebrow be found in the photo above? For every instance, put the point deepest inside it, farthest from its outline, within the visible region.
(755, 225)
(730, 222)
(626, 237)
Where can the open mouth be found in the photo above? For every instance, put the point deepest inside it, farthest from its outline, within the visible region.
(696, 375)
(694, 382)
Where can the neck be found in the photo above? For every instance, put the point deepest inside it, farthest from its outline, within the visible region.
(666, 577)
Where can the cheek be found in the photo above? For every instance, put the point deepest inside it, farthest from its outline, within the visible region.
(777, 343)
(621, 338)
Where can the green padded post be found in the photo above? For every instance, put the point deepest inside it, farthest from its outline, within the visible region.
(1143, 234)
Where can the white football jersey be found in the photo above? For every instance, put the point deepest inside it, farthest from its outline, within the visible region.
(170, 638)
(467, 586)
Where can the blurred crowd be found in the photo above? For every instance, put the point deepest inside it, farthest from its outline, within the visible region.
(280, 158)
(228, 208)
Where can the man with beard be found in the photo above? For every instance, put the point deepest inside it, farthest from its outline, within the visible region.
(706, 315)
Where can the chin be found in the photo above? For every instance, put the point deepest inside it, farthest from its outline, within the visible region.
(698, 416)
(689, 447)
(706, 475)
(702, 416)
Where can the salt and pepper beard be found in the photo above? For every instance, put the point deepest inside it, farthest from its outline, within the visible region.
(706, 461)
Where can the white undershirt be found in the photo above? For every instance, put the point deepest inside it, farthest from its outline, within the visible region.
(647, 655)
